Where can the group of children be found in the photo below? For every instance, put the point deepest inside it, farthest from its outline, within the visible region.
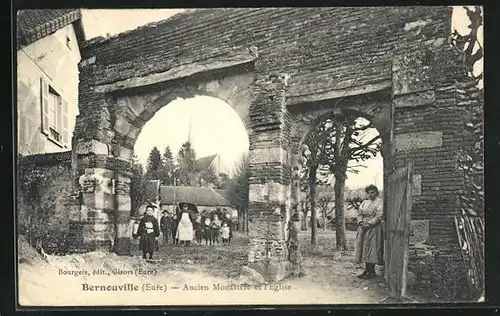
(207, 227)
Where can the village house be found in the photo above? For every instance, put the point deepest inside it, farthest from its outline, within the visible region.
(48, 53)
(204, 198)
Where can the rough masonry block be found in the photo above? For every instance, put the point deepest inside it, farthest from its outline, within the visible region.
(269, 192)
(124, 153)
(267, 155)
(99, 201)
(415, 99)
(417, 184)
(412, 72)
(122, 125)
(412, 141)
(92, 147)
(419, 231)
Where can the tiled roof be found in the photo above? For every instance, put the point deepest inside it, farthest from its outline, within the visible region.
(204, 162)
(222, 193)
(34, 24)
(201, 196)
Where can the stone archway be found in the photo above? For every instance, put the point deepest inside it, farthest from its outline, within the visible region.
(347, 57)
(106, 206)
(376, 107)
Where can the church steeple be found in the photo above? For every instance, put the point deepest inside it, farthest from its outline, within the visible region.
(189, 131)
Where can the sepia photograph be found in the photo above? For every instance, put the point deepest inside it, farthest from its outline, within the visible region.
(249, 156)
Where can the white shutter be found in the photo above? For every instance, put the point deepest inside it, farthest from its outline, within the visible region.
(64, 115)
(44, 103)
(59, 115)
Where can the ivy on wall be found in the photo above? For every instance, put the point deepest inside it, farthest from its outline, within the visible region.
(471, 97)
(43, 193)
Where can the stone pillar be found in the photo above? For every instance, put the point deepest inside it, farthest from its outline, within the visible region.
(123, 209)
(270, 173)
(105, 201)
(97, 215)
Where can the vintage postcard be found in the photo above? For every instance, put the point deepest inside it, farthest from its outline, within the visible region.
(249, 156)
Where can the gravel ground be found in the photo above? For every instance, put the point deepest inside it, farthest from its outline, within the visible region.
(196, 275)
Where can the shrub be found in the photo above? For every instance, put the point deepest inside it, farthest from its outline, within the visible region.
(43, 195)
(448, 279)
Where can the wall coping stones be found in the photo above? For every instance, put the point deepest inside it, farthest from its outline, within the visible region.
(338, 93)
(238, 57)
(46, 159)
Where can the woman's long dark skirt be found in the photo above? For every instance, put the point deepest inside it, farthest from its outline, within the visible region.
(370, 245)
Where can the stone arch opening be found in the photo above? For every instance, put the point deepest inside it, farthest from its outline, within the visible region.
(374, 107)
(103, 163)
(209, 123)
(138, 106)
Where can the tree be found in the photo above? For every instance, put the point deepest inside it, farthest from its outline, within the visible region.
(237, 188)
(169, 166)
(139, 189)
(223, 181)
(471, 159)
(354, 202)
(207, 176)
(468, 45)
(324, 205)
(186, 161)
(347, 139)
(155, 169)
(312, 155)
(470, 96)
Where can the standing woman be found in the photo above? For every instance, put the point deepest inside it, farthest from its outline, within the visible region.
(149, 232)
(185, 228)
(370, 239)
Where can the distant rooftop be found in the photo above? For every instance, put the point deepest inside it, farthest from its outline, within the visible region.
(201, 196)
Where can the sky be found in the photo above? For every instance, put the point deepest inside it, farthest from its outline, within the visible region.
(215, 127)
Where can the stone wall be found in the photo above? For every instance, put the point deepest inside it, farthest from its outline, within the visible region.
(329, 60)
(429, 130)
(44, 209)
(352, 52)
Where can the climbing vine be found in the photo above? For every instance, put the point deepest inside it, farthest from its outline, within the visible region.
(40, 198)
(470, 96)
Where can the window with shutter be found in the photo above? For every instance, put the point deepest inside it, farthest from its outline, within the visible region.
(64, 131)
(44, 102)
(54, 114)
(59, 114)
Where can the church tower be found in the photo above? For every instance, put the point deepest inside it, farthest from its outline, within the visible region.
(190, 126)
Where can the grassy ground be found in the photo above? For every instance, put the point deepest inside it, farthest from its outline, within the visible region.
(226, 261)
(330, 277)
(325, 268)
(219, 261)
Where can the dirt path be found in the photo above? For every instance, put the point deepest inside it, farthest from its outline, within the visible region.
(329, 280)
(44, 286)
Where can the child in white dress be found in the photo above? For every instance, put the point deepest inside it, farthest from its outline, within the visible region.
(225, 234)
